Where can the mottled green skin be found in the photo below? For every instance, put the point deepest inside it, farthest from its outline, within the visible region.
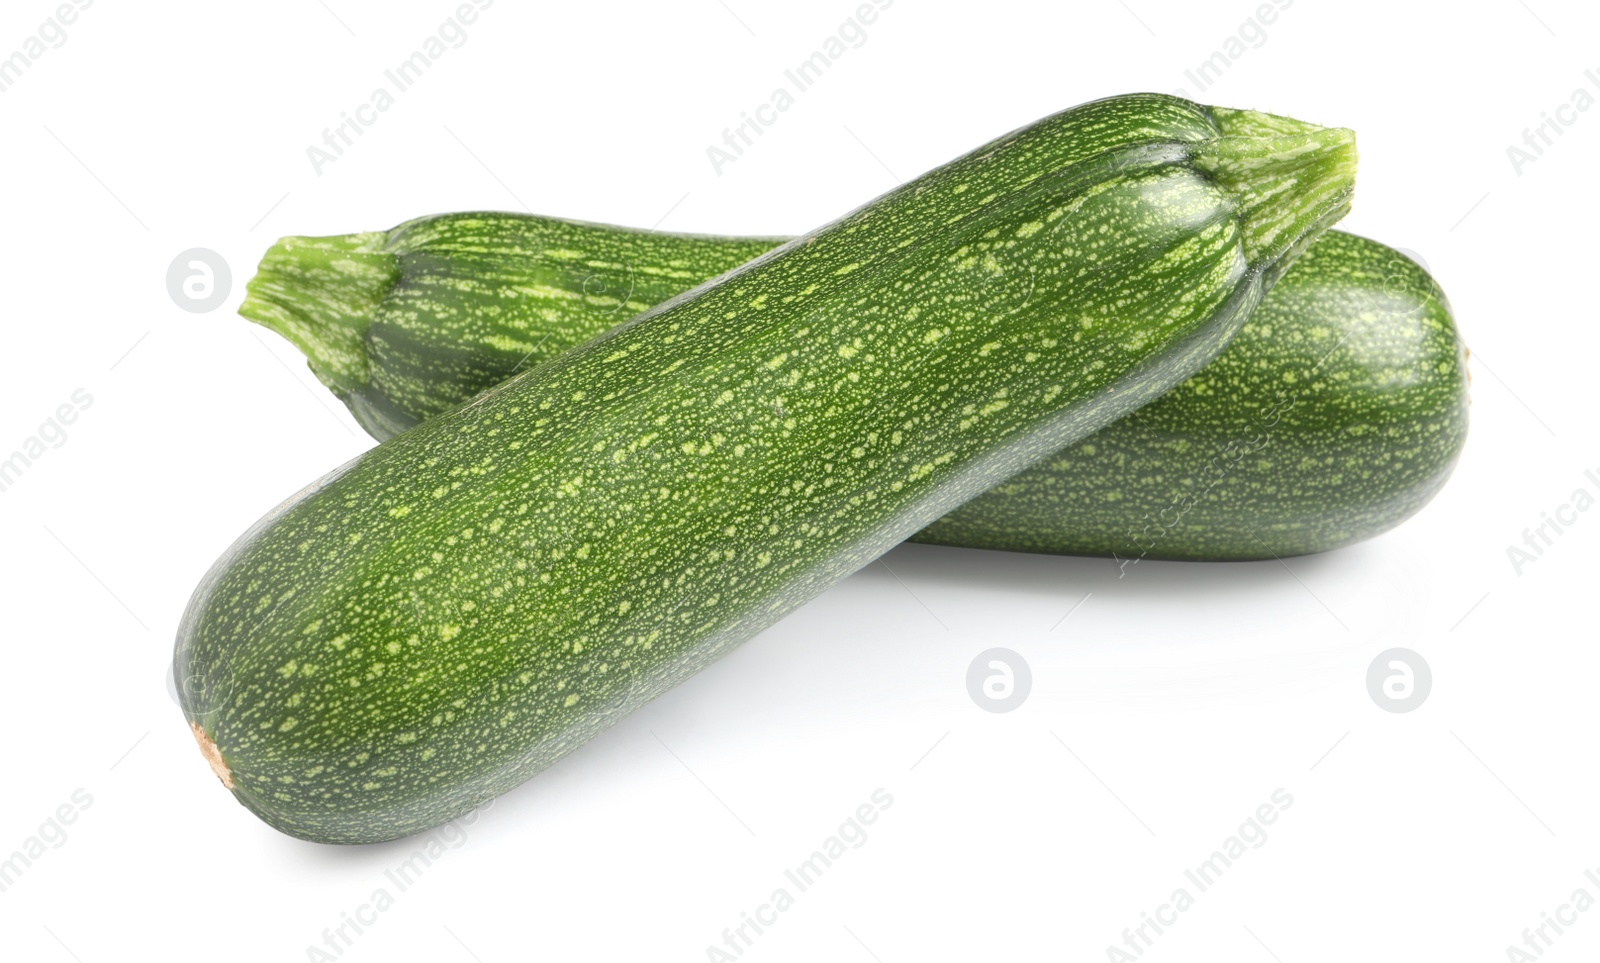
(405, 324)
(467, 602)
(1335, 414)
(465, 301)
(484, 290)
(1200, 474)
(1214, 471)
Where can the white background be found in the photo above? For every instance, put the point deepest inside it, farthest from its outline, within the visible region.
(1164, 710)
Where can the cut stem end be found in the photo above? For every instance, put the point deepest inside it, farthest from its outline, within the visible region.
(213, 755)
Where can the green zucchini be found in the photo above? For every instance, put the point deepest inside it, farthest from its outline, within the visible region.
(460, 606)
(1251, 458)
(408, 323)
(1335, 414)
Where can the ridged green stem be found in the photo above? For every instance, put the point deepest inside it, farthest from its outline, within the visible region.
(321, 293)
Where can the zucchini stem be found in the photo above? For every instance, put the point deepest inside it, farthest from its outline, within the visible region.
(1294, 180)
(321, 293)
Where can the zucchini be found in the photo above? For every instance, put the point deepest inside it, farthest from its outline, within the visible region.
(1336, 413)
(1250, 458)
(404, 324)
(460, 606)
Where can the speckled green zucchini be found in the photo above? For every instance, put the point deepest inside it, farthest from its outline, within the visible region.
(462, 605)
(404, 324)
(1336, 413)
